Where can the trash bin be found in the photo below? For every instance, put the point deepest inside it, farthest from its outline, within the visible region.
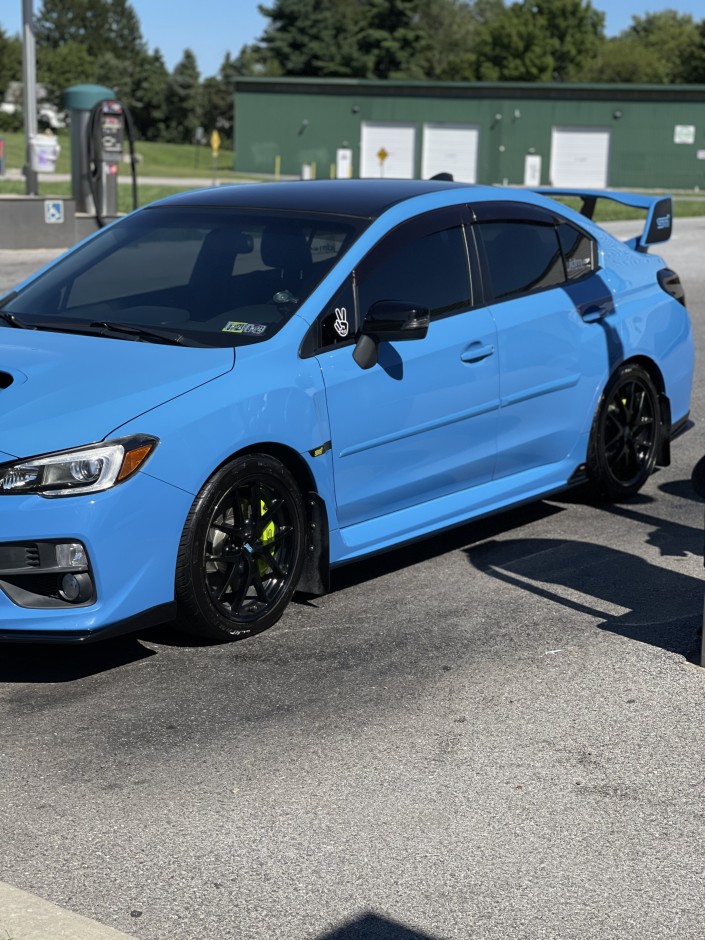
(44, 151)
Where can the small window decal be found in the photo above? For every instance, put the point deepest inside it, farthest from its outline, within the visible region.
(341, 325)
(253, 329)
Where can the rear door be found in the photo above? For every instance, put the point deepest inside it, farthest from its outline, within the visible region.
(556, 333)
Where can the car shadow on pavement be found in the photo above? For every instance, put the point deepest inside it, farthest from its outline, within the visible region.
(36, 662)
(429, 547)
(626, 594)
(40, 663)
(372, 927)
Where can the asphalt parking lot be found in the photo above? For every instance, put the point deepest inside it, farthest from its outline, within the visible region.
(493, 734)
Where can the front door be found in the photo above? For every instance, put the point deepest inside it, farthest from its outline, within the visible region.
(422, 422)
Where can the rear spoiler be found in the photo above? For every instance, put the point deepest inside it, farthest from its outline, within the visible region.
(659, 211)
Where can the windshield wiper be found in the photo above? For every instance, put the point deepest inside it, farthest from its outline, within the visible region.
(12, 320)
(103, 328)
(140, 332)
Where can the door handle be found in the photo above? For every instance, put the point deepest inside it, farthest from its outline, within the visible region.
(476, 352)
(593, 314)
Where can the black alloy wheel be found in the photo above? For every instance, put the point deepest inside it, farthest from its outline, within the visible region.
(626, 434)
(241, 551)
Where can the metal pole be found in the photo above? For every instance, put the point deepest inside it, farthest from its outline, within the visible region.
(29, 80)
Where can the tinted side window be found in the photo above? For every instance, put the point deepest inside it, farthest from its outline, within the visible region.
(521, 256)
(428, 269)
(578, 251)
(337, 325)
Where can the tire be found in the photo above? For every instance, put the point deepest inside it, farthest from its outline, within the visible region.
(241, 550)
(625, 435)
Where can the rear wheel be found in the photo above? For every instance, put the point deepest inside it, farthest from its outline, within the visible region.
(241, 550)
(625, 434)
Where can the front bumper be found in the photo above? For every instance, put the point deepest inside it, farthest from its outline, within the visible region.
(131, 534)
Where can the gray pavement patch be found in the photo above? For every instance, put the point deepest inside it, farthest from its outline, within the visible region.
(24, 916)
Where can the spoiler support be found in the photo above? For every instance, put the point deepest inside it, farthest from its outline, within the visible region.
(659, 211)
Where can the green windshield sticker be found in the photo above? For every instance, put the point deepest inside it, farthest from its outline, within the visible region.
(254, 329)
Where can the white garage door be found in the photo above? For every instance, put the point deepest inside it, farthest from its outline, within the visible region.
(580, 157)
(387, 150)
(450, 148)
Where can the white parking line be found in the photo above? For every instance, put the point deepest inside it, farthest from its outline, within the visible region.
(24, 916)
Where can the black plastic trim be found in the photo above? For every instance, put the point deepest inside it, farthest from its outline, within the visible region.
(147, 618)
(681, 426)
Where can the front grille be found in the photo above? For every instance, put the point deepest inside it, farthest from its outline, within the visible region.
(44, 585)
(14, 557)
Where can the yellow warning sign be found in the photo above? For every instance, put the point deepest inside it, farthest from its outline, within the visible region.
(215, 143)
(382, 154)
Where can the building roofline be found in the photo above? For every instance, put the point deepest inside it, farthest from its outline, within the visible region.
(435, 89)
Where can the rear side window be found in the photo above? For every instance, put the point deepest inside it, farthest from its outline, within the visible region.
(521, 256)
(578, 251)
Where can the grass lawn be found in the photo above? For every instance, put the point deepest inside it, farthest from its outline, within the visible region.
(186, 160)
(146, 192)
(155, 159)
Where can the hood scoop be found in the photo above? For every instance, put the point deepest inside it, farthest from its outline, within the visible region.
(6, 379)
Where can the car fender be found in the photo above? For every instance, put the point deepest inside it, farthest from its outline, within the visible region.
(269, 400)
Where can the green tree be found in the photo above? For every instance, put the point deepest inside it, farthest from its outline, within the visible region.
(252, 59)
(657, 48)
(62, 66)
(451, 27)
(217, 99)
(576, 32)
(183, 99)
(694, 68)
(10, 60)
(514, 46)
(89, 40)
(310, 39)
(99, 25)
(539, 40)
(394, 42)
(148, 102)
(359, 38)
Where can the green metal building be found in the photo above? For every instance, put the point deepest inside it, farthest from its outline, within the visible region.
(566, 135)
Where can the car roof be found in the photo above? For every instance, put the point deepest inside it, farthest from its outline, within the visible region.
(355, 197)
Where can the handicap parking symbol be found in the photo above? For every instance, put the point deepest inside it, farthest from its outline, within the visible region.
(53, 211)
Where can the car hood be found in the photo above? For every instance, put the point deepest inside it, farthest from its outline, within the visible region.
(60, 390)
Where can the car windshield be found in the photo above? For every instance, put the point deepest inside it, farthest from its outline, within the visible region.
(214, 277)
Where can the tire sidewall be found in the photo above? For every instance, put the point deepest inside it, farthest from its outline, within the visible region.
(192, 591)
(598, 466)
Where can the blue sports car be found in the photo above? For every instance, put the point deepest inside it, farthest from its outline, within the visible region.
(215, 400)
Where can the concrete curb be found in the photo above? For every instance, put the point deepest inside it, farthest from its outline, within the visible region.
(24, 916)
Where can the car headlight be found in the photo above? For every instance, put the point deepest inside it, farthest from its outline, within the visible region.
(75, 472)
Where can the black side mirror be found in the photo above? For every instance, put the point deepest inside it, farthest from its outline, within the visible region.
(391, 321)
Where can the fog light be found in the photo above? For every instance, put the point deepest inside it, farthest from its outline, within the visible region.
(71, 555)
(76, 588)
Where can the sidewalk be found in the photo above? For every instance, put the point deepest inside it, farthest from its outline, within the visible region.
(25, 916)
(125, 179)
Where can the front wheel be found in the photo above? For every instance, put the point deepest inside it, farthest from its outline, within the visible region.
(241, 550)
(625, 434)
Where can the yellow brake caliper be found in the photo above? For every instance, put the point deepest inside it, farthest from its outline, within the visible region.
(267, 536)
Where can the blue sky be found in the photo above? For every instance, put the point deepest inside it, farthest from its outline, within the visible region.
(213, 27)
